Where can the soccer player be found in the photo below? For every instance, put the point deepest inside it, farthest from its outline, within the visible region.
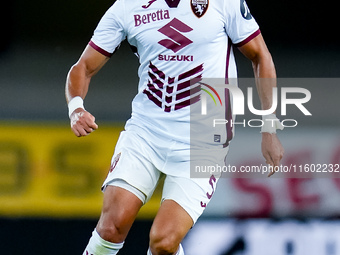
(178, 43)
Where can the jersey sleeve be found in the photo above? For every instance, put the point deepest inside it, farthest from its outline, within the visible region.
(110, 31)
(240, 25)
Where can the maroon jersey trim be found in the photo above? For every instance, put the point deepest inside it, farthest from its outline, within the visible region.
(249, 38)
(100, 50)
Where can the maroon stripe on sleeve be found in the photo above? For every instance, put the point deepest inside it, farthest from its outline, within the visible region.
(249, 38)
(100, 50)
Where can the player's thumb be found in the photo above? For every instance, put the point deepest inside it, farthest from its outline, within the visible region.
(93, 124)
(90, 121)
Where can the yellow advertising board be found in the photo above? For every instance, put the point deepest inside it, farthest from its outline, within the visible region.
(46, 171)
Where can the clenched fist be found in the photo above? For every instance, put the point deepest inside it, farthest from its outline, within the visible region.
(82, 122)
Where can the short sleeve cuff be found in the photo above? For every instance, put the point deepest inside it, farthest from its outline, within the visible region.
(249, 38)
(100, 50)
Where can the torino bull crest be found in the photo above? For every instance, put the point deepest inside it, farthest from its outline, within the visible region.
(199, 7)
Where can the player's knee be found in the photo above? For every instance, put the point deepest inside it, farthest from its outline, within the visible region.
(163, 243)
(111, 233)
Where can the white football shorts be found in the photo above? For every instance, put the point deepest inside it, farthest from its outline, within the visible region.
(141, 158)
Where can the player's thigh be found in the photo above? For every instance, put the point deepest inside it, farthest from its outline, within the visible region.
(120, 208)
(181, 207)
(170, 226)
(129, 184)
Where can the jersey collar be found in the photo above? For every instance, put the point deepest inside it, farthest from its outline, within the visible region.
(172, 3)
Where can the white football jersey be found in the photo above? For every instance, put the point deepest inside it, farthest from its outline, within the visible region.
(178, 42)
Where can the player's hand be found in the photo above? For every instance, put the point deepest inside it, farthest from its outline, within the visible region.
(82, 122)
(272, 150)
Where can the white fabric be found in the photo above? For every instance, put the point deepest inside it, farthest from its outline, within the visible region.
(194, 48)
(270, 124)
(144, 157)
(123, 184)
(180, 250)
(75, 103)
(98, 246)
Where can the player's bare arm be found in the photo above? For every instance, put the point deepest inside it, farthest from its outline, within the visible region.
(77, 84)
(265, 76)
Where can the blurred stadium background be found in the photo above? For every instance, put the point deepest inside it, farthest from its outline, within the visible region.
(50, 180)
